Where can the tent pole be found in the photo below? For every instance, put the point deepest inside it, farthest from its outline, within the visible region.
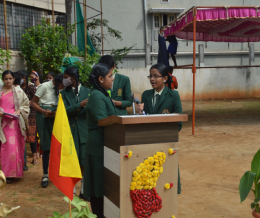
(102, 34)
(75, 21)
(85, 27)
(194, 68)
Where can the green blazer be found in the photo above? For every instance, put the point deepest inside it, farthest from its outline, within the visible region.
(169, 102)
(76, 114)
(122, 92)
(99, 106)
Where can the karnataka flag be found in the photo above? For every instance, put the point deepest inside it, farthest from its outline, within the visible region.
(64, 170)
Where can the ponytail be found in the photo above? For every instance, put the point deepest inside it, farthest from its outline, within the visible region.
(98, 70)
(73, 72)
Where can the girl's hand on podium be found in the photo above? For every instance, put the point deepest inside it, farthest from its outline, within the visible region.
(140, 107)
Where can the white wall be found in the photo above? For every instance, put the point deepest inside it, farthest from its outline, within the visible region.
(211, 83)
(59, 5)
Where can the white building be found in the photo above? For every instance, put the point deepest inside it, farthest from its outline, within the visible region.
(22, 14)
(140, 20)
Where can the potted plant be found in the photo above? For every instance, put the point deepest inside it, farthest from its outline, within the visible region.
(247, 181)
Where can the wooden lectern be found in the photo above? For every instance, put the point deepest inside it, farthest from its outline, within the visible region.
(144, 135)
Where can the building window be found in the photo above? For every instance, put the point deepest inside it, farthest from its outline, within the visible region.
(164, 1)
(20, 18)
(171, 18)
(156, 21)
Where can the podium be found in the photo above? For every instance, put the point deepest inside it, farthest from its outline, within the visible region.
(136, 157)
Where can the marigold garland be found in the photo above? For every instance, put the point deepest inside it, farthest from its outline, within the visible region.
(144, 197)
(146, 174)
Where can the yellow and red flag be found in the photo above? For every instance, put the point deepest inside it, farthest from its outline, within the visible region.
(64, 170)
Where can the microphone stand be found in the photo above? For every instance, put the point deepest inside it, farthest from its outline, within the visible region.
(132, 98)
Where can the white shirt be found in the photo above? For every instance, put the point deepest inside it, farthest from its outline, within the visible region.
(46, 93)
(154, 96)
(79, 86)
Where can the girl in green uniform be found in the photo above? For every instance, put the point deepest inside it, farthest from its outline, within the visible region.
(44, 101)
(121, 88)
(75, 97)
(160, 99)
(99, 106)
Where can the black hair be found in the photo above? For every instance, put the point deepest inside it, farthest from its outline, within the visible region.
(7, 72)
(39, 75)
(58, 80)
(17, 79)
(108, 60)
(23, 74)
(73, 71)
(170, 69)
(163, 70)
(51, 73)
(98, 70)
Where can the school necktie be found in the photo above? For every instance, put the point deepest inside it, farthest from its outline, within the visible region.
(157, 96)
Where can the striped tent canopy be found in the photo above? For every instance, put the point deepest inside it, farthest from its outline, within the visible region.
(218, 24)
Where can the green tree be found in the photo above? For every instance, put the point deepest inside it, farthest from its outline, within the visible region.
(4, 57)
(85, 66)
(97, 39)
(44, 47)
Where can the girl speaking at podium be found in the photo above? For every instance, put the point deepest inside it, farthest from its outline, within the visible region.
(99, 106)
(160, 99)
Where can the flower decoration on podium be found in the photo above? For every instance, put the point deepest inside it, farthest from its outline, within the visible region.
(171, 151)
(145, 199)
(129, 154)
(168, 185)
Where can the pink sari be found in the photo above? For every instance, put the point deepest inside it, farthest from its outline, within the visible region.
(12, 151)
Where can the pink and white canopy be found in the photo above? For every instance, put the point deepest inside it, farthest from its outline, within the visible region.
(220, 24)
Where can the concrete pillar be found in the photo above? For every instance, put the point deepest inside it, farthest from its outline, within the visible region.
(201, 55)
(251, 54)
(148, 55)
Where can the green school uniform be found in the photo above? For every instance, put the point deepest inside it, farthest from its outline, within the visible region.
(121, 91)
(44, 128)
(99, 106)
(77, 118)
(168, 102)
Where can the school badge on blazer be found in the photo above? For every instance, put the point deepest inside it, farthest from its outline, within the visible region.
(165, 111)
(119, 92)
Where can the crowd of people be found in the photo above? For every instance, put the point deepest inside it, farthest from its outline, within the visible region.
(28, 105)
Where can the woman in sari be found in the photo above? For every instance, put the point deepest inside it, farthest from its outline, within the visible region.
(13, 130)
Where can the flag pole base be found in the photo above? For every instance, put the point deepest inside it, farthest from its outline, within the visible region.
(70, 210)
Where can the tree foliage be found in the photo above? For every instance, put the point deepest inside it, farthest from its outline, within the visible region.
(84, 65)
(97, 39)
(96, 36)
(5, 56)
(44, 47)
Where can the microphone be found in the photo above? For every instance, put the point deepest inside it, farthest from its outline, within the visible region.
(137, 101)
(133, 102)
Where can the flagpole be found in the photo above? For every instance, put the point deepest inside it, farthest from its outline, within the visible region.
(70, 210)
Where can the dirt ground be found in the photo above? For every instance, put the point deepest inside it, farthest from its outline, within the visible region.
(211, 165)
